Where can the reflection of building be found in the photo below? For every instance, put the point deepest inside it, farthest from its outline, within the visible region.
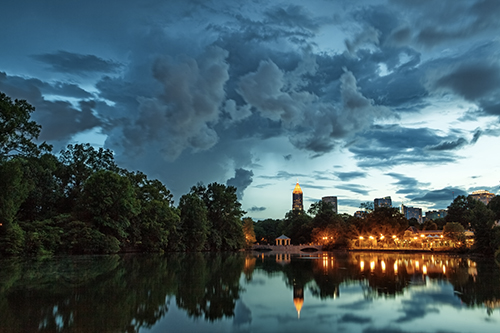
(298, 298)
(411, 212)
(482, 195)
(435, 214)
(382, 202)
(333, 201)
(297, 203)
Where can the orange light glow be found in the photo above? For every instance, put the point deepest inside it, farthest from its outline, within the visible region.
(372, 265)
(362, 265)
(424, 269)
(383, 265)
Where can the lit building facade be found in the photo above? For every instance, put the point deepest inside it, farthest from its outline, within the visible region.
(435, 214)
(333, 201)
(382, 202)
(297, 201)
(412, 212)
(482, 195)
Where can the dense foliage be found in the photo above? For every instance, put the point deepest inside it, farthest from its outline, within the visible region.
(80, 201)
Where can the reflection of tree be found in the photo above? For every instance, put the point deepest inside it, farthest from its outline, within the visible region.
(115, 293)
(209, 285)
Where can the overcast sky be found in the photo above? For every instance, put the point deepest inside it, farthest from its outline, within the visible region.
(355, 99)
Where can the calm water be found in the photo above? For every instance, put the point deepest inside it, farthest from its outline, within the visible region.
(329, 292)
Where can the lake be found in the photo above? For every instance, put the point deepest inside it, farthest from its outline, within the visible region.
(251, 292)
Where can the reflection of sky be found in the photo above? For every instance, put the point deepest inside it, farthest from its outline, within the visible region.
(267, 306)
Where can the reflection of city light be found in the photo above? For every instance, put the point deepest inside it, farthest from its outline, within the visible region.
(371, 237)
(362, 265)
(424, 269)
(417, 264)
(444, 269)
(372, 265)
(383, 265)
(415, 237)
(360, 237)
(393, 236)
(395, 267)
(381, 236)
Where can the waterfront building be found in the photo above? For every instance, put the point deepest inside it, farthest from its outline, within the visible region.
(297, 201)
(482, 195)
(333, 201)
(412, 212)
(382, 202)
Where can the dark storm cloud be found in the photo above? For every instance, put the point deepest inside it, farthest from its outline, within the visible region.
(292, 16)
(472, 81)
(351, 318)
(74, 63)
(394, 145)
(449, 20)
(60, 119)
(347, 176)
(241, 180)
(257, 209)
(355, 188)
(439, 198)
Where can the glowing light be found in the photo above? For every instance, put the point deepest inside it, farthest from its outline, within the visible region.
(424, 269)
(381, 236)
(371, 237)
(360, 237)
(444, 269)
(395, 267)
(362, 265)
(415, 237)
(422, 235)
(372, 265)
(393, 236)
(383, 265)
(417, 264)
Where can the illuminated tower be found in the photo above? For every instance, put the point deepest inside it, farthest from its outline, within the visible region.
(297, 198)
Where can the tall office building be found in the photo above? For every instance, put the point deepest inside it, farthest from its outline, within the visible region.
(333, 201)
(297, 202)
(482, 195)
(411, 212)
(382, 202)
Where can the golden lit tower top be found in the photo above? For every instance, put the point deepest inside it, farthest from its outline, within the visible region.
(297, 203)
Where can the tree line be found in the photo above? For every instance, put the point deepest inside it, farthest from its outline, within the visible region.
(79, 201)
(321, 225)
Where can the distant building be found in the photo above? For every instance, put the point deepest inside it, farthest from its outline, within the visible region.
(297, 201)
(360, 214)
(382, 202)
(435, 214)
(412, 212)
(333, 201)
(482, 195)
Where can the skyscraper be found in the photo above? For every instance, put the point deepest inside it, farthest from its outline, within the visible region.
(412, 212)
(297, 202)
(333, 201)
(382, 202)
(482, 195)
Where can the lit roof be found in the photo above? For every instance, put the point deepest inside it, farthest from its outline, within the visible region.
(297, 189)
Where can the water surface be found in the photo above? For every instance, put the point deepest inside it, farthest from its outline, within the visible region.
(243, 292)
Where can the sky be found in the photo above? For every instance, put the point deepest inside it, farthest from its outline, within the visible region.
(354, 99)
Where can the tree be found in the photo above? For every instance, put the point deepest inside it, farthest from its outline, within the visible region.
(455, 231)
(194, 226)
(78, 163)
(249, 231)
(266, 231)
(459, 210)
(482, 222)
(108, 201)
(297, 226)
(17, 132)
(367, 206)
(494, 206)
(224, 215)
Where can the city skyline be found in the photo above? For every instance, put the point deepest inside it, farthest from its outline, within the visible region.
(357, 99)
